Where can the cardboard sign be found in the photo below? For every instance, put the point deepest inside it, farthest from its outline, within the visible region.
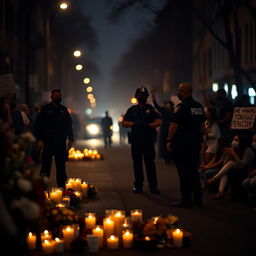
(7, 85)
(243, 118)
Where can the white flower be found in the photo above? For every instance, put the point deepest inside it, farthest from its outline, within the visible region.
(24, 185)
(29, 136)
(29, 209)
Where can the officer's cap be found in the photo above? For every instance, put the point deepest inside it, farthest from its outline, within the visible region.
(141, 91)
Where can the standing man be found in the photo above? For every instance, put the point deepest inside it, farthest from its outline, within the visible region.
(184, 140)
(143, 119)
(53, 128)
(107, 126)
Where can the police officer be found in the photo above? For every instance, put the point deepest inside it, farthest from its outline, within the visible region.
(143, 119)
(53, 127)
(184, 140)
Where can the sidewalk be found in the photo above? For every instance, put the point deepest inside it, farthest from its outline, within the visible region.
(217, 229)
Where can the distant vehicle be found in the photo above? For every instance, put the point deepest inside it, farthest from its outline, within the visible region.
(93, 128)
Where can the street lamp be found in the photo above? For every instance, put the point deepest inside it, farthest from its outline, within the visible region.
(77, 53)
(89, 89)
(79, 67)
(63, 5)
(87, 80)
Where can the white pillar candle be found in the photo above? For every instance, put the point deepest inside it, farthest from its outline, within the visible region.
(31, 241)
(48, 246)
(119, 217)
(177, 236)
(100, 233)
(78, 184)
(54, 196)
(68, 233)
(127, 238)
(136, 216)
(90, 220)
(59, 245)
(112, 242)
(59, 195)
(108, 226)
(68, 185)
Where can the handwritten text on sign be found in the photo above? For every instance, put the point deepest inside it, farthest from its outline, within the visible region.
(243, 118)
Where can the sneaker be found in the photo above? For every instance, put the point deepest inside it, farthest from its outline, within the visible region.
(155, 191)
(137, 190)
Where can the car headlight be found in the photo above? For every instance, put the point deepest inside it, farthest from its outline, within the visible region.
(93, 129)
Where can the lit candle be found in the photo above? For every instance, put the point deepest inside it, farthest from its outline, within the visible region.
(136, 216)
(31, 241)
(84, 186)
(78, 184)
(54, 196)
(46, 235)
(46, 195)
(59, 245)
(127, 239)
(60, 205)
(108, 226)
(147, 238)
(177, 236)
(119, 217)
(68, 185)
(68, 234)
(99, 232)
(112, 242)
(48, 246)
(90, 220)
(59, 195)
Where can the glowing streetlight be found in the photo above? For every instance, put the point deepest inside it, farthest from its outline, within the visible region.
(89, 89)
(133, 100)
(77, 53)
(79, 67)
(87, 80)
(92, 100)
(90, 96)
(63, 5)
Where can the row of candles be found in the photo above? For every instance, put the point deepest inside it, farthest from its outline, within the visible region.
(76, 184)
(77, 154)
(115, 232)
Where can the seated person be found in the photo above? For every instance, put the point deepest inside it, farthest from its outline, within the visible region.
(241, 158)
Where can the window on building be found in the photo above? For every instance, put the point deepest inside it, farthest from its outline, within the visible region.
(252, 95)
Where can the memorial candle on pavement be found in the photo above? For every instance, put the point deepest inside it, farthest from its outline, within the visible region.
(112, 242)
(127, 238)
(109, 227)
(136, 216)
(90, 220)
(119, 217)
(48, 246)
(46, 235)
(31, 241)
(68, 233)
(177, 236)
(84, 186)
(99, 232)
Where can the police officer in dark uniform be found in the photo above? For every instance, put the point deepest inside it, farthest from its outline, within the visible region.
(184, 140)
(53, 127)
(143, 119)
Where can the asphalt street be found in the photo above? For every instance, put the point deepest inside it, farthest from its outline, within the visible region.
(217, 228)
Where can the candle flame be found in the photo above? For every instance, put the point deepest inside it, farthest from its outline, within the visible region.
(98, 229)
(57, 239)
(46, 232)
(30, 234)
(177, 230)
(112, 237)
(147, 238)
(68, 229)
(46, 241)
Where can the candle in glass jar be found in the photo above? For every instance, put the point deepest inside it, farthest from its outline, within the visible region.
(31, 241)
(90, 220)
(59, 245)
(54, 196)
(68, 233)
(127, 239)
(108, 226)
(99, 232)
(48, 246)
(136, 216)
(177, 236)
(112, 242)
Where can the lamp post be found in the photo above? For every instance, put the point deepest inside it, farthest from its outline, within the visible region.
(62, 6)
